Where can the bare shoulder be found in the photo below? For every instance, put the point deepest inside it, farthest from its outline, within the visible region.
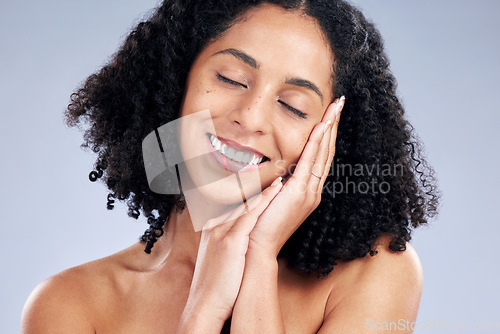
(385, 266)
(68, 301)
(380, 289)
(388, 265)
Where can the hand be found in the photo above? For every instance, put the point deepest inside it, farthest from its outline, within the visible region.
(221, 259)
(268, 220)
(301, 194)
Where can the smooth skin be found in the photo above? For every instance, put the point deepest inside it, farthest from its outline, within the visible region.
(193, 281)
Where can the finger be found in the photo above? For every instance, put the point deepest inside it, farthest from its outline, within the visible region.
(333, 140)
(308, 157)
(318, 171)
(246, 222)
(317, 177)
(228, 218)
(331, 111)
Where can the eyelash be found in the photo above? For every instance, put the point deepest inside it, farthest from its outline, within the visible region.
(236, 83)
(229, 81)
(295, 111)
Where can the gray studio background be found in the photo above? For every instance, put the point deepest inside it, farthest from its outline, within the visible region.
(444, 53)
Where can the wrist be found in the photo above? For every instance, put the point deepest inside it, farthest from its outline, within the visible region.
(262, 259)
(256, 252)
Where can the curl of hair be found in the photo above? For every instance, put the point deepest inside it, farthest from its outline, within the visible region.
(142, 87)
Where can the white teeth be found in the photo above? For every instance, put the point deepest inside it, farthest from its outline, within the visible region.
(231, 153)
(255, 160)
(246, 156)
(218, 144)
(239, 156)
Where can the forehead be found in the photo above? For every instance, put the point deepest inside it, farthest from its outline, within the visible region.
(283, 42)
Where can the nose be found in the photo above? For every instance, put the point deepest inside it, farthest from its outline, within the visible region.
(253, 113)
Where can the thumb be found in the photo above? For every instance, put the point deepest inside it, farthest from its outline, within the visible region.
(252, 207)
(255, 206)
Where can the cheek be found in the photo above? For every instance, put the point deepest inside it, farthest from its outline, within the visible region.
(291, 148)
(200, 97)
(295, 144)
(211, 99)
(301, 143)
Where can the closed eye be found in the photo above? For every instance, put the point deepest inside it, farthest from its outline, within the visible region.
(231, 82)
(292, 109)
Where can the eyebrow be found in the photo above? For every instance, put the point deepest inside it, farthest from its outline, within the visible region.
(253, 63)
(305, 84)
(240, 55)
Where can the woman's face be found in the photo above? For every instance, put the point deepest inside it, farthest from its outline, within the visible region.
(266, 82)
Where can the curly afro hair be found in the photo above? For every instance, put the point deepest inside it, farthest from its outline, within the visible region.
(142, 88)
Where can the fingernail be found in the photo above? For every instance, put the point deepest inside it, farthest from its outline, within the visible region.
(326, 125)
(277, 181)
(340, 105)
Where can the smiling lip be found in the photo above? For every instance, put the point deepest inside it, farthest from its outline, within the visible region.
(234, 144)
(229, 164)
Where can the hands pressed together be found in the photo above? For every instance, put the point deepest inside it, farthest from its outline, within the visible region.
(260, 232)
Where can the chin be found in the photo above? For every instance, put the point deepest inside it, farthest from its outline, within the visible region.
(232, 189)
(216, 200)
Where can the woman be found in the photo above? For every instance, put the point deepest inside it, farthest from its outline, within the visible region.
(268, 79)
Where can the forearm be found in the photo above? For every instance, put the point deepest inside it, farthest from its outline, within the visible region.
(257, 308)
(198, 318)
